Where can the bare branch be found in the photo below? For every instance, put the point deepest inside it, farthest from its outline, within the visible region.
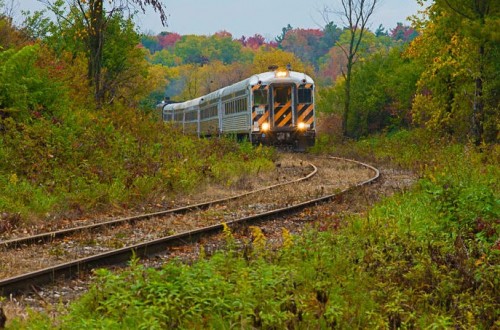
(157, 7)
(345, 51)
(357, 13)
(457, 11)
(52, 7)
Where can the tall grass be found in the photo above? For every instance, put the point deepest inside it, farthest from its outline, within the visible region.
(427, 258)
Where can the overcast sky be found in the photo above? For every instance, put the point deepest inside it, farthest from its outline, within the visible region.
(248, 17)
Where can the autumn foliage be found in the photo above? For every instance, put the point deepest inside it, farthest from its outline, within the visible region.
(425, 258)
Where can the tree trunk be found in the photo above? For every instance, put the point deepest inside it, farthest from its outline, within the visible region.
(478, 107)
(347, 101)
(357, 13)
(95, 49)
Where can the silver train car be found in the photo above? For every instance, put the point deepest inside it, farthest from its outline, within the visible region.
(272, 108)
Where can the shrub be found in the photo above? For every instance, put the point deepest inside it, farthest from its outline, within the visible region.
(27, 90)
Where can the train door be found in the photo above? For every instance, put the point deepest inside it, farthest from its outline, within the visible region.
(282, 106)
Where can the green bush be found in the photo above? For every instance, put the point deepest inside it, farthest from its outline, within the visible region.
(27, 90)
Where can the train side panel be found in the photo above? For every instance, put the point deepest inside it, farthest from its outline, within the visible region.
(210, 114)
(235, 116)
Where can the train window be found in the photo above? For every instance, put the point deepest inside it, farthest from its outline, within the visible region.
(209, 112)
(235, 106)
(242, 105)
(282, 95)
(191, 116)
(305, 95)
(260, 96)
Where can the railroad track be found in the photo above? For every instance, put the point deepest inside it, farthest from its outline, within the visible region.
(59, 234)
(177, 230)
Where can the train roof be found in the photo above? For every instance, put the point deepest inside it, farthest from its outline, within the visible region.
(267, 78)
(193, 103)
(183, 105)
(292, 76)
(213, 95)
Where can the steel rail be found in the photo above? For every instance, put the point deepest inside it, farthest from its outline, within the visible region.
(49, 236)
(70, 269)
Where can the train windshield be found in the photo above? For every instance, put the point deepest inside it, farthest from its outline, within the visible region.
(305, 95)
(260, 96)
(282, 95)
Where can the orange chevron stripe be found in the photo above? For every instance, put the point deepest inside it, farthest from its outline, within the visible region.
(264, 87)
(282, 110)
(305, 113)
(310, 121)
(285, 121)
(264, 118)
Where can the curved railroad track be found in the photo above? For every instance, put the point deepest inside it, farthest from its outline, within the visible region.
(175, 227)
(59, 234)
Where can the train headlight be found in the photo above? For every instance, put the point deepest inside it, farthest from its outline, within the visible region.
(265, 126)
(301, 126)
(281, 74)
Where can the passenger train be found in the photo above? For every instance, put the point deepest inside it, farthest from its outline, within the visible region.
(272, 108)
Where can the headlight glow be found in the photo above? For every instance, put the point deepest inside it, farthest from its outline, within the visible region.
(301, 126)
(281, 74)
(265, 126)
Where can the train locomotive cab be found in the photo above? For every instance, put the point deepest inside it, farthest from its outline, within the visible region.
(283, 110)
